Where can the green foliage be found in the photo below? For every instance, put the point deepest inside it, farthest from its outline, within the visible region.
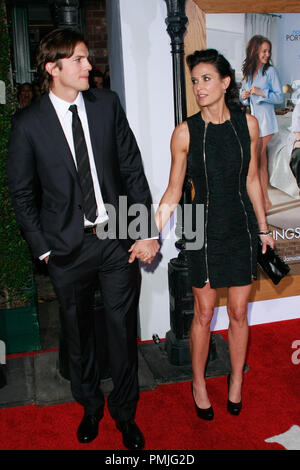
(16, 278)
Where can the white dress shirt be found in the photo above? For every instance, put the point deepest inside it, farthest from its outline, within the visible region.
(65, 118)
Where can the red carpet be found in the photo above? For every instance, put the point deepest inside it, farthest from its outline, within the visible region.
(167, 416)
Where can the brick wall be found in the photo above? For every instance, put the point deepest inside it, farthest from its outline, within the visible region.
(97, 32)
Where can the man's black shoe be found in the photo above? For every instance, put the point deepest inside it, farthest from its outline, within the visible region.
(88, 428)
(133, 438)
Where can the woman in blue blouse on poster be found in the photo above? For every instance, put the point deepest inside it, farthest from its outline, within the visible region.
(261, 88)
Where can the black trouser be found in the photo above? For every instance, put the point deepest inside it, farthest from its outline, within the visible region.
(74, 284)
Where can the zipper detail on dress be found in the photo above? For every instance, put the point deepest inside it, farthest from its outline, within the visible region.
(242, 202)
(207, 201)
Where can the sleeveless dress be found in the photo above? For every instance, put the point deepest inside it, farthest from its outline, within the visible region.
(218, 161)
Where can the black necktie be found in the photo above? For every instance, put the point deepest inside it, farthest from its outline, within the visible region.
(83, 167)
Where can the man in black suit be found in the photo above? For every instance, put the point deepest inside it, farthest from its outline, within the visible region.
(77, 144)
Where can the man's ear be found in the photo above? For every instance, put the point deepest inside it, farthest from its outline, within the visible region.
(51, 68)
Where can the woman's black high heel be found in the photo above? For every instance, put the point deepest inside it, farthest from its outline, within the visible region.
(233, 408)
(203, 413)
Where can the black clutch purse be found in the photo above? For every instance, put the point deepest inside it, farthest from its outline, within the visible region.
(271, 263)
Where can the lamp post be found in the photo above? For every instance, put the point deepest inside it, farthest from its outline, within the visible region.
(181, 298)
(176, 21)
(180, 289)
(66, 13)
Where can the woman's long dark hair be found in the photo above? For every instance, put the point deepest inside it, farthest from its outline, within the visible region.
(223, 67)
(250, 62)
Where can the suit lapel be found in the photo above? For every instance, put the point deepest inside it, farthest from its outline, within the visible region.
(51, 122)
(95, 121)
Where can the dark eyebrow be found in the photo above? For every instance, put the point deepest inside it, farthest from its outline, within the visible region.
(203, 75)
(80, 56)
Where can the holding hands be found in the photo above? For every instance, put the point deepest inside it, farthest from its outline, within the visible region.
(144, 250)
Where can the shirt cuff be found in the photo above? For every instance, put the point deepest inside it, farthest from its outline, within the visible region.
(151, 238)
(44, 255)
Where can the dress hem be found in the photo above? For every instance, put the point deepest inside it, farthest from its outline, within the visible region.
(224, 285)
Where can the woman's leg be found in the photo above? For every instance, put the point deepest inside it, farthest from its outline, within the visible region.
(204, 303)
(237, 303)
(263, 168)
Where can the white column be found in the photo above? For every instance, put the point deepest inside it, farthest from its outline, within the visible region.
(148, 99)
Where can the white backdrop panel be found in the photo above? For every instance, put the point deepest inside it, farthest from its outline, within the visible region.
(149, 107)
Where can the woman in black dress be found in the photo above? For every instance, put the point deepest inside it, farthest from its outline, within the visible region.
(217, 149)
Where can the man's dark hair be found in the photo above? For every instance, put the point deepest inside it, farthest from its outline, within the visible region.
(56, 45)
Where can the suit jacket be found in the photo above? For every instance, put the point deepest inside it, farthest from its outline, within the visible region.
(40, 156)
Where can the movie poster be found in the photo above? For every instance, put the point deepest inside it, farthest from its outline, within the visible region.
(230, 33)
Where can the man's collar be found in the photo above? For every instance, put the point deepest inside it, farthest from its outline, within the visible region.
(61, 106)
